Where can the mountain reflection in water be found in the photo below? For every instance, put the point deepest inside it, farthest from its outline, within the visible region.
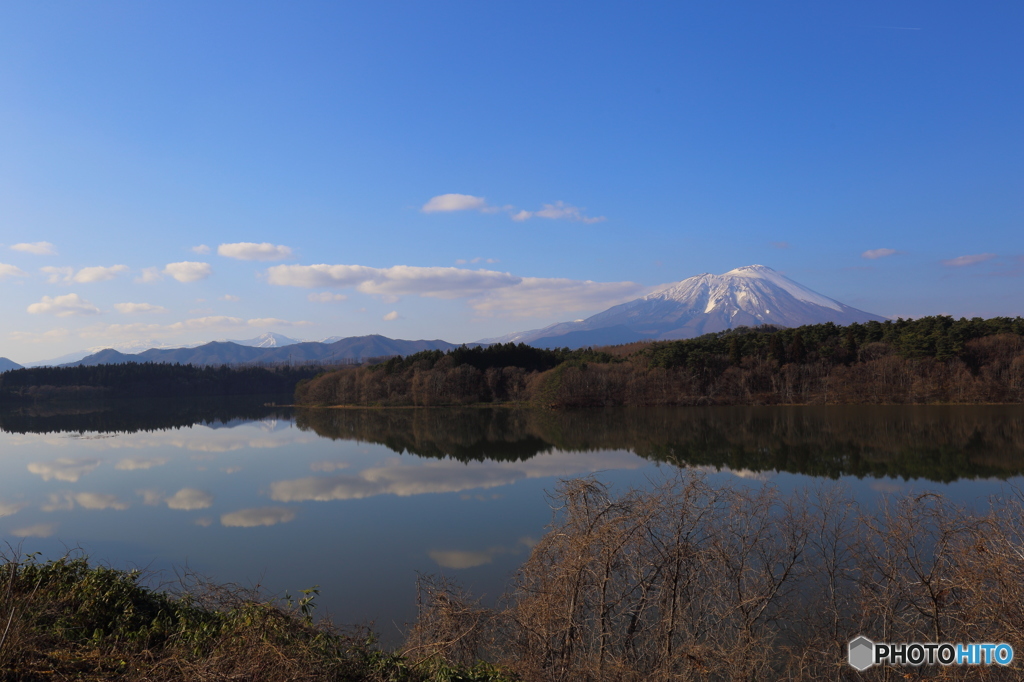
(359, 501)
(937, 443)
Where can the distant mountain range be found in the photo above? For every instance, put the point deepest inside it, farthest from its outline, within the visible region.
(6, 365)
(235, 353)
(748, 296)
(267, 340)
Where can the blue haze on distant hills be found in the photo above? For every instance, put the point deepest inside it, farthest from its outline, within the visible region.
(748, 296)
(231, 353)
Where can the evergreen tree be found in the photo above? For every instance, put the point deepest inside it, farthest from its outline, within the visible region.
(735, 357)
(775, 349)
(850, 346)
(797, 350)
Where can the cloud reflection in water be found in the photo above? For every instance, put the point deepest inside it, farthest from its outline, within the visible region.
(260, 516)
(11, 508)
(64, 468)
(446, 476)
(39, 530)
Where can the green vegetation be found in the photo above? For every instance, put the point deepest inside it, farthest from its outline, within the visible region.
(65, 619)
(145, 380)
(928, 360)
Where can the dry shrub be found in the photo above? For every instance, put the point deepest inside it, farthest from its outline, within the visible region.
(690, 580)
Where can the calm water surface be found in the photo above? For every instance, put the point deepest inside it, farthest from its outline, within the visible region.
(360, 501)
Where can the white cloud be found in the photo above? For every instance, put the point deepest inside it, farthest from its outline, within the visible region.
(190, 499)
(134, 308)
(962, 261)
(208, 322)
(138, 330)
(437, 282)
(275, 322)
(63, 306)
(98, 273)
(64, 468)
(120, 330)
(149, 275)
(37, 248)
(201, 249)
(490, 292)
(872, 254)
(327, 297)
(229, 297)
(444, 203)
(57, 334)
(11, 271)
(11, 508)
(317, 276)
(140, 463)
(40, 530)
(188, 271)
(559, 211)
(252, 251)
(56, 275)
(391, 317)
(260, 516)
(544, 297)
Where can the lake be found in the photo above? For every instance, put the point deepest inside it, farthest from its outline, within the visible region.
(360, 502)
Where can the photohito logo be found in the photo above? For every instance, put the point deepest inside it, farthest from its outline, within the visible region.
(864, 653)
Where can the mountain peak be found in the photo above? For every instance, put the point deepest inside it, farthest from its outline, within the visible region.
(751, 295)
(267, 340)
(751, 270)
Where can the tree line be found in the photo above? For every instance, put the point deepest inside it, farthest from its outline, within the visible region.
(927, 360)
(149, 379)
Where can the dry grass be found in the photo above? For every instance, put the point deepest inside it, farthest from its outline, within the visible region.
(690, 581)
(65, 619)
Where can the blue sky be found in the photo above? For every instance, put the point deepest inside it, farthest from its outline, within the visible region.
(591, 151)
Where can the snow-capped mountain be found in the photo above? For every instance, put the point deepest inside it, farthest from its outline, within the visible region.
(267, 340)
(747, 296)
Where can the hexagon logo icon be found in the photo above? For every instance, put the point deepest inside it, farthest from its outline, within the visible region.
(862, 653)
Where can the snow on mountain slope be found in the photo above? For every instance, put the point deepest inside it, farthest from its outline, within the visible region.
(267, 340)
(748, 296)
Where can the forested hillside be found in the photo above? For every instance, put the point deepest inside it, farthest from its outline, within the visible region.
(135, 380)
(932, 359)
